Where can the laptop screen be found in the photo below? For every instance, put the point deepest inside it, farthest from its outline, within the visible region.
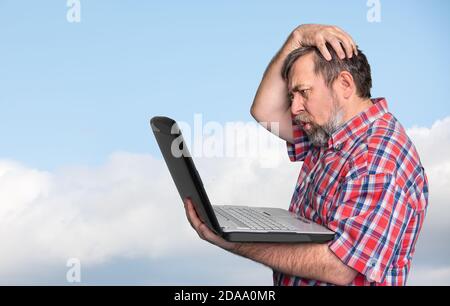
(182, 168)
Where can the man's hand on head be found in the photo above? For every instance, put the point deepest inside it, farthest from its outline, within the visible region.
(318, 35)
(203, 231)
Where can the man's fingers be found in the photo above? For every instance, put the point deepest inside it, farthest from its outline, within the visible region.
(348, 45)
(213, 238)
(187, 214)
(203, 231)
(193, 218)
(192, 215)
(347, 40)
(323, 49)
(207, 234)
(336, 44)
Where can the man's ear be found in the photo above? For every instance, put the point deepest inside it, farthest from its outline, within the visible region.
(346, 84)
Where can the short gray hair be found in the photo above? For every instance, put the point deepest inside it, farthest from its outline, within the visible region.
(357, 66)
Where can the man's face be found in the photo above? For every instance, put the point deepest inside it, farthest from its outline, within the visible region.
(314, 105)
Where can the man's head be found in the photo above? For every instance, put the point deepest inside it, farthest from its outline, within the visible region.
(325, 94)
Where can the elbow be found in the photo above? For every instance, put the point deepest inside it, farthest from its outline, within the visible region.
(344, 278)
(254, 112)
(339, 273)
(258, 113)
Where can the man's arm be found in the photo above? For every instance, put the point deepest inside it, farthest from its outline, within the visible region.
(271, 103)
(312, 261)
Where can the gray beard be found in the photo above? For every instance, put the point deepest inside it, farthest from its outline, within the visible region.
(319, 135)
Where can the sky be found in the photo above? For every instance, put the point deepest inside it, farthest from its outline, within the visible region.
(81, 175)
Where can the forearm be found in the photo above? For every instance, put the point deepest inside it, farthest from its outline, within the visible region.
(271, 107)
(271, 96)
(311, 261)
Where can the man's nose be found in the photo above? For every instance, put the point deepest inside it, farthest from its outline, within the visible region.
(297, 105)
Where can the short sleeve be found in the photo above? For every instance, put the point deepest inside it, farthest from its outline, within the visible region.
(370, 222)
(298, 150)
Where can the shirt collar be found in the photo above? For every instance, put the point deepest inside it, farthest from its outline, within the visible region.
(358, 124)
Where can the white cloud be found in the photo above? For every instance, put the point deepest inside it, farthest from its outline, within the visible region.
(433, 249)
(429, 276)
(129, 208)
(433, 143)
(121, 209)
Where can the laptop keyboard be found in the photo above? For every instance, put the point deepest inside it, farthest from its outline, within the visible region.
(251, 218)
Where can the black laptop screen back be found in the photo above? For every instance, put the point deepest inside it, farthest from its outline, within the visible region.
(182, 168)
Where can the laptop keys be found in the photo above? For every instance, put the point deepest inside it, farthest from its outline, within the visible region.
(247, 218)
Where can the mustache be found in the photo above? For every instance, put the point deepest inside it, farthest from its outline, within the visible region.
(302, 118)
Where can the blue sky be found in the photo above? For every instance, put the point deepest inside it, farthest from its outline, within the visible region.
(71, 93)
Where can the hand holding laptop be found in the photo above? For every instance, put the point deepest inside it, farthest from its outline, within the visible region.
(204, 232)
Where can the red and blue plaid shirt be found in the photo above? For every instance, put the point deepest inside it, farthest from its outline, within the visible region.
(367, 185)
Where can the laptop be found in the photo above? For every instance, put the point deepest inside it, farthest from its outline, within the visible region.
(234, 223)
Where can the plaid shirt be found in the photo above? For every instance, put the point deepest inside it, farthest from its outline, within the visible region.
(367, 185)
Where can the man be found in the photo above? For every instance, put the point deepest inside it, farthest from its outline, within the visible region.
(361, 175)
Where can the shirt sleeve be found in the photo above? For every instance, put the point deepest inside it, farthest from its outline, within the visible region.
(298, 150)
(370, 222)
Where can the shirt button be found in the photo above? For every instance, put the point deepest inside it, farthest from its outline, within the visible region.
(338, 147)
